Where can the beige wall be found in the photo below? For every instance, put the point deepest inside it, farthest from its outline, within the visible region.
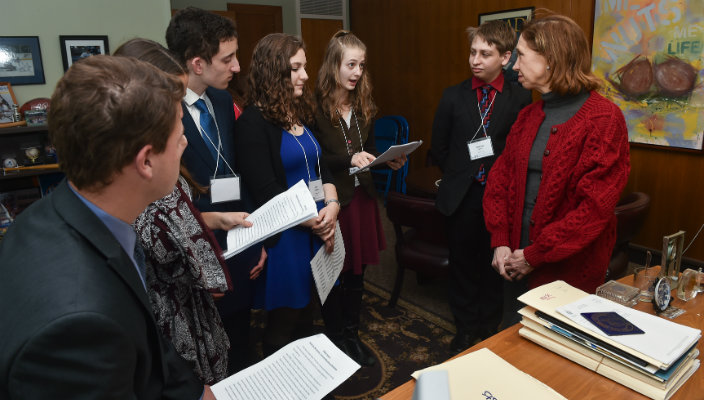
(120, 20)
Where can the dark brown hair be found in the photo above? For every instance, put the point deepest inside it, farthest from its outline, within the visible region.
(193, 32)
(565, 47)
(329, 80)
(270, 86)
(104, 110)
(497, 33)
(153, 53)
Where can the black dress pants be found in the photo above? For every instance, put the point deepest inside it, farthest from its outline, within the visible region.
(476, 289)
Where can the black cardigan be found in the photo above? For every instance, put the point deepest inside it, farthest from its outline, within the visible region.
(258, 155)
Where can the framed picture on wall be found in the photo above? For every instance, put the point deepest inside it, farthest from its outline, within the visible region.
(515, 17)
(21, 60)
(7, 99)
(73, 48)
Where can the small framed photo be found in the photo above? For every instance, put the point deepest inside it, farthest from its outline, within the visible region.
(672, 255)
(515, 17)
(21, 61)
(73, 48)
(7, 99)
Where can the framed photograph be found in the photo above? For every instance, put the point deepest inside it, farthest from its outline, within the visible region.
(515, 17)
(21, 61)
(73, 48)
(7, 99)
(672, 255)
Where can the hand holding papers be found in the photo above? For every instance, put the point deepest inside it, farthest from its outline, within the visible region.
(306, 369)
(327, 266)
(392, 153)
(288, 209)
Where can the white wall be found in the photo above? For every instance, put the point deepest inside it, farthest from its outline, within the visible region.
(288, 9)
(120, 20)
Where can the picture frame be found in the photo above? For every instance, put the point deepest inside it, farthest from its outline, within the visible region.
(7, 99)
(672, 256)
(515, 17)
(23, 65)
(73, 48)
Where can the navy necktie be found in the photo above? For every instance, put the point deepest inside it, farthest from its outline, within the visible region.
(484, 105)
(208, 127)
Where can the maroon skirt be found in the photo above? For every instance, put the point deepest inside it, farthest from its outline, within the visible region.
(362, 231)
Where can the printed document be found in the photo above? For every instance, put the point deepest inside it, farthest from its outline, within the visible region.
(327, 266)
(307, 369)
(284, 211)
(392, 153)
(664, 340)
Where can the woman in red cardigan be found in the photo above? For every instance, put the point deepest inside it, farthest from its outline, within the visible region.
(550, 197)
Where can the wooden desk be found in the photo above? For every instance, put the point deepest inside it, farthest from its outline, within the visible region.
(571, 379)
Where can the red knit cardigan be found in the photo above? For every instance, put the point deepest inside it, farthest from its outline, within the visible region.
(585, 168)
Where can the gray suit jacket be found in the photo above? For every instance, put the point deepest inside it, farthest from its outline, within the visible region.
(75, 319)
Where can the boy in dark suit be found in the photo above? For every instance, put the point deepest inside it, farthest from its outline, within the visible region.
(75, 319)
(207, 44)
(469, 132)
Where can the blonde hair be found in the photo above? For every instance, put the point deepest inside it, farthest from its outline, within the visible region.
(329, 80)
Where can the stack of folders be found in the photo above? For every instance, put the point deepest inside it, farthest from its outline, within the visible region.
(643, 352)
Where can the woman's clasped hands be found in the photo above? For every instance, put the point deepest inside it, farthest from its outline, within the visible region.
(512, 266)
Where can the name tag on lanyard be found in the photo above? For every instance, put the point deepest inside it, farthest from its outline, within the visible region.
(480, 148)
(316, 189)
(225, 188)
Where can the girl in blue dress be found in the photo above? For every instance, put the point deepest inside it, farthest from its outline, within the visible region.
(275, 150)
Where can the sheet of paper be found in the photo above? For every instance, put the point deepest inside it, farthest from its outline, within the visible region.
(327, 266)
(484, 375)
(306, 369)
(663, 340)
(392, 153)
(288, 209)
(432, 385)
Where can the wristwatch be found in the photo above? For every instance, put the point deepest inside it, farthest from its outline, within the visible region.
(328, 201)
(662, 294)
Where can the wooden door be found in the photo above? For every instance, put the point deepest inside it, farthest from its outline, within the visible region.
(316, 34)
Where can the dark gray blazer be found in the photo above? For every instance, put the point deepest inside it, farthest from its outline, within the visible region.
(456, 120)
(75, 319)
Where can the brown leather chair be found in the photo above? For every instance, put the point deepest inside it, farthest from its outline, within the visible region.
(421, 244)
(630, 211)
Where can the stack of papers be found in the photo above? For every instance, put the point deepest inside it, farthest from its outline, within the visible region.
(654, 363)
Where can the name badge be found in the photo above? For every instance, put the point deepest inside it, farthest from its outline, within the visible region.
(316, 189)
(480, 148)
(225, 188)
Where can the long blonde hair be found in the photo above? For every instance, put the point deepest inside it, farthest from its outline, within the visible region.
(329, 80)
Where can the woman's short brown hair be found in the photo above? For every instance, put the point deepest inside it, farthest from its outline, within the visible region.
(104, 110)
(565, 47)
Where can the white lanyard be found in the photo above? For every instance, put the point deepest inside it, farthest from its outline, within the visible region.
(304, 152)
(219, 146)
(483, 117)
(348, 142)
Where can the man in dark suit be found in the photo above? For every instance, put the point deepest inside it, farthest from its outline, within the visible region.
(75, 319)
(207, 44)
(469, 133)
